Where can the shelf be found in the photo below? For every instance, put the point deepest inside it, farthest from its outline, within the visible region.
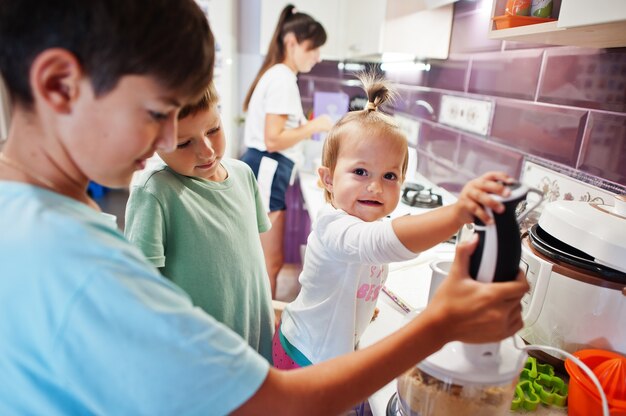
(603, 35)
(606, 35)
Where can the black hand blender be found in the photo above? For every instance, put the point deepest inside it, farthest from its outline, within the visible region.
(497, 255)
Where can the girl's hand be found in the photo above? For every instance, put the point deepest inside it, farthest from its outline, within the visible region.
(475, 197)
(476, 312)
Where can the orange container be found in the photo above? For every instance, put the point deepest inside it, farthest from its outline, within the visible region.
(518, 7)
(584, 398)
(507, 21)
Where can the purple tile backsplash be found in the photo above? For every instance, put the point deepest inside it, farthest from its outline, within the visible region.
(585, 78)
(508, 74)
(447, 75)
(604, 149)
(476, 156)
(550, 132)
(561, 106)
(438, 142)
(420, 104)
(441, 173)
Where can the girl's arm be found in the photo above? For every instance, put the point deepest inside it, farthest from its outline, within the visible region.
(421, 232)
(462, 309)
(278, 138)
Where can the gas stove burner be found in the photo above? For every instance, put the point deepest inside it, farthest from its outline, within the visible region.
(417, 196)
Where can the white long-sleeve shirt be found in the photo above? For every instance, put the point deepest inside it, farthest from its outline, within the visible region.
(345, 267)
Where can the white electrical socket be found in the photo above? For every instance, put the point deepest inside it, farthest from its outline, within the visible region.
(466, 113)
(409, 127)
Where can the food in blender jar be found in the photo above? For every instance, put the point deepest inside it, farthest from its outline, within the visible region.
(425, 395)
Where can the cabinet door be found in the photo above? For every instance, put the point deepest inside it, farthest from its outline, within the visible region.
(410, 30)
(361, 25)
(584, 12)
(324, 11)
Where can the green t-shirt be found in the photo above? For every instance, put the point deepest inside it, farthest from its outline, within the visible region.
(204, 236)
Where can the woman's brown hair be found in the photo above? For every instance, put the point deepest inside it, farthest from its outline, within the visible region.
(370, 119)
(303, 26)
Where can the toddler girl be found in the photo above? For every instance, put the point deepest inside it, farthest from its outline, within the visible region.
(363, 166)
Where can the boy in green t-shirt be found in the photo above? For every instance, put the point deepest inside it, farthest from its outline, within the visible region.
(198, 220)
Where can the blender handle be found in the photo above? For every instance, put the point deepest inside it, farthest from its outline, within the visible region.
(521, 216)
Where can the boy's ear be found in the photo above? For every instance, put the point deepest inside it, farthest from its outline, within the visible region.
(55, 77)
(326, 178)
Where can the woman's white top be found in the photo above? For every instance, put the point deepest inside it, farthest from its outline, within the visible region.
(345, 267)
(276, 93)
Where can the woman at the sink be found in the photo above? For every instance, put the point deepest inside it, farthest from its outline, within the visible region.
(345, 266)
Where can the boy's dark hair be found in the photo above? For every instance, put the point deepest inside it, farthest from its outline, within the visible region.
(209, 98)
(167, 39)
(303, 26)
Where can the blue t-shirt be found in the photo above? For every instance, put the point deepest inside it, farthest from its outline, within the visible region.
(88, 326)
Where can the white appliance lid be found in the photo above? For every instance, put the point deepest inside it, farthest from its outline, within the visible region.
(597, 230)
(451, 364)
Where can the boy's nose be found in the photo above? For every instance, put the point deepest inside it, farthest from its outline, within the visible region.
(166, 140)
(207, 147)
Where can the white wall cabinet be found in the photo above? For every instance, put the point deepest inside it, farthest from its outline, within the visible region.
(411, 30)
(597, 24)
(365, 29)
(575, 13)
(361, 27)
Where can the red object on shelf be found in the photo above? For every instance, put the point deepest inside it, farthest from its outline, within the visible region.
(507, 21)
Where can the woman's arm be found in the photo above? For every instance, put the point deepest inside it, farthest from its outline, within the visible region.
(462, 309)
(278, 138)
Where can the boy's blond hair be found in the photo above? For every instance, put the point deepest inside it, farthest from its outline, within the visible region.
(208, 99)
(369, 119)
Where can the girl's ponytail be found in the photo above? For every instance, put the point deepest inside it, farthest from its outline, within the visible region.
(377, 89)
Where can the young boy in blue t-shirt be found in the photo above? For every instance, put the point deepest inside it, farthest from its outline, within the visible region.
(198, 220)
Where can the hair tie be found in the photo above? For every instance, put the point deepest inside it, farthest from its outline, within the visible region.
(371, 106)
(294, 11)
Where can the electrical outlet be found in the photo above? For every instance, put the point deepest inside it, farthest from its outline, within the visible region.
(466, 113)
(409, 127)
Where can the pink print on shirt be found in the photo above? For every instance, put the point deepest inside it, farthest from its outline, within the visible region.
(369, 292)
